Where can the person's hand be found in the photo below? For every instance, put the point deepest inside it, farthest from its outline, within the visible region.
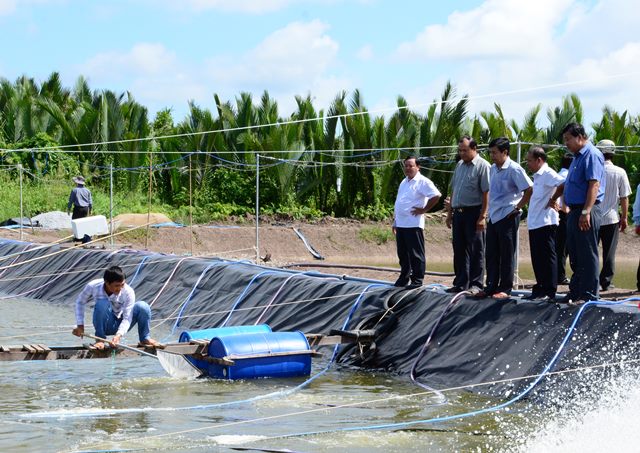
(393, 229)
(584, 223)
(417, 210)
(447, 204)
(116, 339)
(638, 229)
(481, 224)
(553, 204)
(623, 225)
(449, 220)
(78, 331)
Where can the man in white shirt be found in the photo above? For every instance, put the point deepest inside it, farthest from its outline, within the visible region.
(116, 309)
(542, 222)
(416, 196)
(616, 195)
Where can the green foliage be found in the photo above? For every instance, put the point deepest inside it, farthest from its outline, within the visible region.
(342, 160)
(375, 234)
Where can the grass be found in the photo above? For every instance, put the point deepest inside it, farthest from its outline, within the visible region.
(375, 234)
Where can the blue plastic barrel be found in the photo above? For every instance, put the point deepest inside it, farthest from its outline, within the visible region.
(220, 332)
(265, 343)
(208, 334)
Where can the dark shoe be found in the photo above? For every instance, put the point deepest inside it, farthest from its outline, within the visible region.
(576, 303)
(564, 282)
(401, 284)
(566, 299)
(531, 297)
(475, 291)
(414, 285)
(454, 290)
(607, 288)
(481, 295)
(548, 299)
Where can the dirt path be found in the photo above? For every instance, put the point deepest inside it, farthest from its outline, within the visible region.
(340, 241)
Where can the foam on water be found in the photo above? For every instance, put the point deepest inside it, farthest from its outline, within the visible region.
(597, 422)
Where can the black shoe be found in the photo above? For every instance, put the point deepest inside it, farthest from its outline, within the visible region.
(607, 288)
(401, 284)
(551, 300)
(564, 282)
(454, 290)
(531, 297)
(566, 299)
(414, 285)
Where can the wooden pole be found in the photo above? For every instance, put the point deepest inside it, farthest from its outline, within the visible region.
(257, 208)
(21, 202)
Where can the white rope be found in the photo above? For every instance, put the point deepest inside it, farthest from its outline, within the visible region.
(345, 115)
(368, 402)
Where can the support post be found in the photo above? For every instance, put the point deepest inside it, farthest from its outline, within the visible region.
(146, 239)
(257, 208)
(190, 209)
(516, 277)
(111, 204)
(21, 200)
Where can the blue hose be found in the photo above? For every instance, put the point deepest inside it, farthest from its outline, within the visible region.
(497, 407)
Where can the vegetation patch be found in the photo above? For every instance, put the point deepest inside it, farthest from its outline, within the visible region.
(375, 234)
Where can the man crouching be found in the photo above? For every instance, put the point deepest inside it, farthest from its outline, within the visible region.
(116, 309)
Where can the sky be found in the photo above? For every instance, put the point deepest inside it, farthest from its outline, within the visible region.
(517, 53)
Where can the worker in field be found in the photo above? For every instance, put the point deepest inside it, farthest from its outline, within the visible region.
(80, 199)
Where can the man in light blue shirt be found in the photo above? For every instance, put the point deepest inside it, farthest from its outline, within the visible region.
(583, 192)
(510, 190)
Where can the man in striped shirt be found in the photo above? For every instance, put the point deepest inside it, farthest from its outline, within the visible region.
(116, 309)
(616, 195)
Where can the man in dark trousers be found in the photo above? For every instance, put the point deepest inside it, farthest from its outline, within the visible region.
(583, 192)
(466, 216)
(80, 199)
(416, 196)
(561, 233)
(616, 196)
(542, 222)
(509, 191)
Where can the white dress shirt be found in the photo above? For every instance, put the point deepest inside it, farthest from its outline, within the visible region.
(413, 193)
(121, 304)
(616, 187)
(545, 182)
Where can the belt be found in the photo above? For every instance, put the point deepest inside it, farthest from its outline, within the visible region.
(581, 205)
(462, 209)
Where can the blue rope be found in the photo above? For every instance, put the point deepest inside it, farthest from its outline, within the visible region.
(138, 269)
(497, 407)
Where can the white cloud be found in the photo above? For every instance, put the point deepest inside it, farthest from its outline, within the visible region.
(246, 6)
(7, 7)
(495, 29)
(365, 53)
(291, 60)
(296, 59)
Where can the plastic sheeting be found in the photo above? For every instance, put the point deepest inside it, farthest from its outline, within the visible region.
(478, 341)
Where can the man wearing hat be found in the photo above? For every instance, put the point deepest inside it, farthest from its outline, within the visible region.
(616, 194)
(80, 198)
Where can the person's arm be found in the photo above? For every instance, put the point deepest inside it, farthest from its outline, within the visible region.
(431, 202)
(447, 207)
(553, 201)
(127, 314)
(524, 201)
(624, 213)
(482, 218)
(70, 203)
(81, 301)
(592, 193)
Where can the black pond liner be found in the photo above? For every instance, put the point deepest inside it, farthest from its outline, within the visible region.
(478, 341)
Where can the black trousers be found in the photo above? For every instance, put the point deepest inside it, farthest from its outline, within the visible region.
(500, 253)
(410, 246)
(542, 242)
(79, 212)
(468, 248)
(638, 276)
(583, 253)
(561, 247)
(608, 235)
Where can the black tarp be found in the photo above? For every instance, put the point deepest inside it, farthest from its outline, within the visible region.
(477, 341)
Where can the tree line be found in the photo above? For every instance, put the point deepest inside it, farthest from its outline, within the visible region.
(342, 161)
